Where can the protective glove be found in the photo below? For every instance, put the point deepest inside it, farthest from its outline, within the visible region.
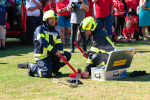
(73, 80)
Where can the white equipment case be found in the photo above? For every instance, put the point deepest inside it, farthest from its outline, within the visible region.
(116, 66)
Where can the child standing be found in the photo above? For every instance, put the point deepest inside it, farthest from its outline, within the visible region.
(128, 33)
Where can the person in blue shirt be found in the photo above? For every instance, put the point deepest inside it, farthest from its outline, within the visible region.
(144, 19)
(3, 19)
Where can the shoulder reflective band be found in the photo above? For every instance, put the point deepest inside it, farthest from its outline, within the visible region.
(40, 35)
(101, 64)
(62, 52)
(89, 61)
(108, 39)
(98, 50)
(58, 41)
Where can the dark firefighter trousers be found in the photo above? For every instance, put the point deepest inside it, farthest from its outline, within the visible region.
(51, 64)
(98, 59)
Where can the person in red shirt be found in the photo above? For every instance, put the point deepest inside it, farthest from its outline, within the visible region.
(134, 22)
(103, 13)
(64, 19)
(91, 11)
(115, 1)
(128, 33)
(132, 4)
(51, 5)
(120, 8)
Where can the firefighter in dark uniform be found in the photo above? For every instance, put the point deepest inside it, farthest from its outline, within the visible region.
(101, 45)
(47, 46)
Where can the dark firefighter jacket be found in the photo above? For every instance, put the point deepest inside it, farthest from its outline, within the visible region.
(46, 42)
(101, 44)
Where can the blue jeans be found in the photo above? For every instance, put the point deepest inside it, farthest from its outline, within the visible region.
(108, 23)
(32, 24)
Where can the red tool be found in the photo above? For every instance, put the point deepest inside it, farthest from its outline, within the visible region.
(80, 48)
(79, 70)
(71, 75)
(76, 75)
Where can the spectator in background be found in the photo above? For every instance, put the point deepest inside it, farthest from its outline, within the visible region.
(87, 14)
(132, 16)
(33, 16)
(128, 33)
(120, 8)
(144, 16)
(78, 8)
(148, 30)
(91, 11)
(51, 5)
(64, 19)
(103, 14)
(132, 4)
(3, 19)
(114, 35)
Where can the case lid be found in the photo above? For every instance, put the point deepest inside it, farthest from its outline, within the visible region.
(119, 59)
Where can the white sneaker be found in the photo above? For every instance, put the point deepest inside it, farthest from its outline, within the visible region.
(121, 37)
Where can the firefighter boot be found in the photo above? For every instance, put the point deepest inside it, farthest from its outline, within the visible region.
(30, 73)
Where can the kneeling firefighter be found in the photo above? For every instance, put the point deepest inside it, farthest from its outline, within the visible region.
(47, 46)
(101, 45)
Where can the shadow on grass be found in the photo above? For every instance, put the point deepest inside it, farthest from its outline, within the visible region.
(141, 51)
(61, 76)
(4, 63)
(137, 43)
(141, 78)
(15, 48)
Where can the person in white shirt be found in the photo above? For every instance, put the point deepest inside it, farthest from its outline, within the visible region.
(33, 16)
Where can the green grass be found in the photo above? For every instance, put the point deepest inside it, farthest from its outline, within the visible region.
(16, 84)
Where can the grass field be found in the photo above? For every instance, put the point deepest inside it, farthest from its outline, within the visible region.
(16, 84)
